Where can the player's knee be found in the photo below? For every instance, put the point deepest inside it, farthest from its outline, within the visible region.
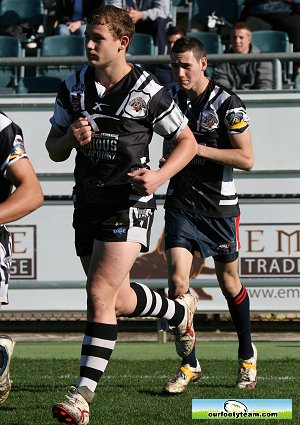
(178, 285)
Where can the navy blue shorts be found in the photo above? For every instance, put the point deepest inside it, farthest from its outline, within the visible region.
(129, 225)
(211, 237)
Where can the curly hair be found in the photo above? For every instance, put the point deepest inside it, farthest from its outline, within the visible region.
(117, 20)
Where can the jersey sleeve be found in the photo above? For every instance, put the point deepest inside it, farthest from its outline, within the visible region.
(235, 115)
(168, 119)
(12, 146)
(62, 117)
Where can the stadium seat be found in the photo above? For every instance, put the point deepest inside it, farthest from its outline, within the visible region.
(269, 41)
(38, 84)
(211, 40)
(9, 47)
(141, 44)
(60, 45)
(297, 82)
(15, 12)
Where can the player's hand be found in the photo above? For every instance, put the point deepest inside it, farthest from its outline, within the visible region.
(144, 181)
(81, 131)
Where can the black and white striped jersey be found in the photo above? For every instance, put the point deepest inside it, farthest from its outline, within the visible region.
(11, 149)
(123, 120)
(204, 186)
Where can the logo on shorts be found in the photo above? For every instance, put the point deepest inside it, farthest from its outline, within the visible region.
(225, 246)
(119, 231)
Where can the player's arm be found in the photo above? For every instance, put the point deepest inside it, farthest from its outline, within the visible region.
(147, 181)
(60, 145)
(240, 156)
(27, 196)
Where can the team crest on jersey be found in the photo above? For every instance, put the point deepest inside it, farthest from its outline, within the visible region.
(76, 95)
(210, 121)
(137, 105)
(236, 119)
(18, 150)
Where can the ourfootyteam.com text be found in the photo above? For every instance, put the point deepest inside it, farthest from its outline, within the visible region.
(239, 415)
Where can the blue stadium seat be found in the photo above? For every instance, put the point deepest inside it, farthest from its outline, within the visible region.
(9, 47)
(60, 45)
(14, 12)
(141, 44)
(38, 84)
(271, 41)
(211, 40)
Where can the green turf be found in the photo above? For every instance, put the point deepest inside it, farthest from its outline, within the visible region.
(153, 350)
(130, 391)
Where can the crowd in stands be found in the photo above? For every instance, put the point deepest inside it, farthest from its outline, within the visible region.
(154, 17)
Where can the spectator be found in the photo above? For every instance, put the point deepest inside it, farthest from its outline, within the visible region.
(243, 75)
(71, 15)
(150, 17)
(163, 71)
(278, 15)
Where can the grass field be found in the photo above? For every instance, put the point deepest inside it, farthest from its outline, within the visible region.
(130, 391)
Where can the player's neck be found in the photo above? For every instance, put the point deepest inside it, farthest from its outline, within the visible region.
(111, 74)
(198, 89)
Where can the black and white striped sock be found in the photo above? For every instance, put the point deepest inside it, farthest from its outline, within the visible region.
(97, 346)
(152, 304)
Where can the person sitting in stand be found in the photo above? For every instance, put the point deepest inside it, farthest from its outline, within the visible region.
(244, 75)
(149, 17)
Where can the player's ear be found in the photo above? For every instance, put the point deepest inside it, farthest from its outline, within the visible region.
(124, 43)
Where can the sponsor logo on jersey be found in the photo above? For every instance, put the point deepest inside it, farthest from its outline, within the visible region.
(137, 106)
(103, 147)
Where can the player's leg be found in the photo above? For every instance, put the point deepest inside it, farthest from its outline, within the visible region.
(238, 303)
(138, 300)
(179, 265)
(180, 231)
(110, 264)
(6, 343)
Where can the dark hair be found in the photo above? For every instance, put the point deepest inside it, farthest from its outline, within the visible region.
(117, 20)
(189, 44)
(172, 30)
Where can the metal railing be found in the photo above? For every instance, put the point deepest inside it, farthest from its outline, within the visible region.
(275, 58)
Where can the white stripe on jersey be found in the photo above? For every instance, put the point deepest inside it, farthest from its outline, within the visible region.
(140, 198)
(4, 122)
(135, 87)
(220, 99)
(151, 89)
(229, 202)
